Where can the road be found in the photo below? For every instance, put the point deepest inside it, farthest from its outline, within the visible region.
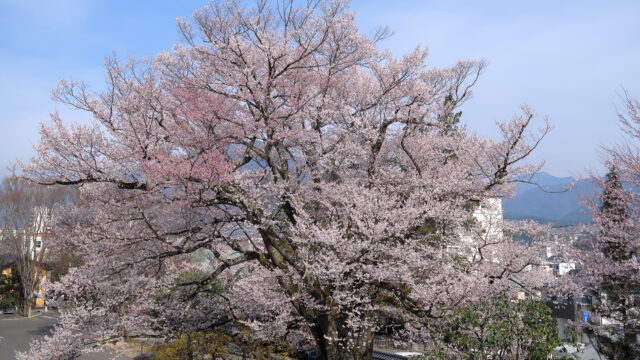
(17, 333)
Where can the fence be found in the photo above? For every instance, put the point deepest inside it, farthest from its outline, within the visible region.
(387, 343)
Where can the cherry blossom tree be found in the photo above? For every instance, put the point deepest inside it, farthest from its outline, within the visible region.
(613, 262)
(278, 168)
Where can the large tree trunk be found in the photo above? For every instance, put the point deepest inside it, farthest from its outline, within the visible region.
(26, 307)
(328, 327)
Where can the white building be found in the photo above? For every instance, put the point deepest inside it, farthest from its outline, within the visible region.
(562, 268)
(489, 216)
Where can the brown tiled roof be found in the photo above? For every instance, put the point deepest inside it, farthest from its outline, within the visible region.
(7, 259)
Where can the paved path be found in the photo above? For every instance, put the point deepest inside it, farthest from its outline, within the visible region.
(17, 333)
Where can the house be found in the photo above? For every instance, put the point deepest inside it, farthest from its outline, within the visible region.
(558, 265)
(30, 244)
(8, 263)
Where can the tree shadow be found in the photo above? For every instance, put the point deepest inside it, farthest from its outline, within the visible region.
(42, 330)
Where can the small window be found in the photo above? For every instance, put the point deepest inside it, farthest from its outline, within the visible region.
(38, 244)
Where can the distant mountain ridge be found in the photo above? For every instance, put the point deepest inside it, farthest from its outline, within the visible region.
(550, 199)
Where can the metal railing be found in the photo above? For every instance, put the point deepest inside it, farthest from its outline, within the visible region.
(383, 355)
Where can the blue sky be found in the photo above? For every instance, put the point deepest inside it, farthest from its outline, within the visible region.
(569, 60)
